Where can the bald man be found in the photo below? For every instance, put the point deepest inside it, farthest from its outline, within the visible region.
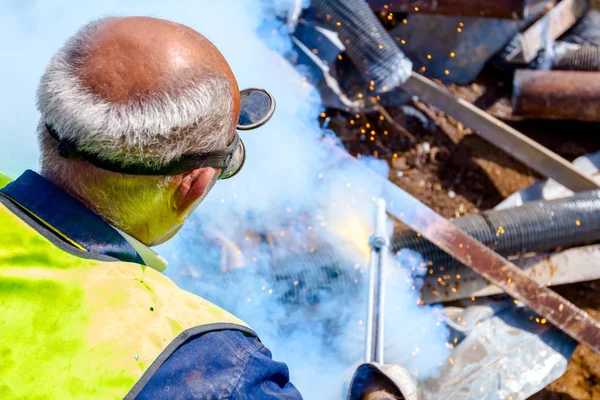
(138, 122)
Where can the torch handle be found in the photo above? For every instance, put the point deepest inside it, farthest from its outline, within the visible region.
(379, 248)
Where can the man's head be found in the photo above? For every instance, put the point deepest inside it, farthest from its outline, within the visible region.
(137, 91)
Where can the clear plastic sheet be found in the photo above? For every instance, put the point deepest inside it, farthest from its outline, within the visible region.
(502, 352)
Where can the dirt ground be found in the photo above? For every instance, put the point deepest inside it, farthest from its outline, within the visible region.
(456, 173)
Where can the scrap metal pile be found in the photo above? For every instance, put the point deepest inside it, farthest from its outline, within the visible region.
(535, 59)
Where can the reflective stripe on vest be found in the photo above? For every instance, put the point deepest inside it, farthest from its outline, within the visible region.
(75, 327)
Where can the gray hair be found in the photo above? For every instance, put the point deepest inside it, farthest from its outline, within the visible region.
(151, 132)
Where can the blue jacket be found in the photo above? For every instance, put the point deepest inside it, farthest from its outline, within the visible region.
(217, 365)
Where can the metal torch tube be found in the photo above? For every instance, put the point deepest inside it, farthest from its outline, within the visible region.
(375, 316)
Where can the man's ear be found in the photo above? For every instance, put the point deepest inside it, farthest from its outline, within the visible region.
(191, 188)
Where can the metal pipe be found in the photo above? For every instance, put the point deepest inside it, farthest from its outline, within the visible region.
(375, 316)
(557, 95)
(507, 9)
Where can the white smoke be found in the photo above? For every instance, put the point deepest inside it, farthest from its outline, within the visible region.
(294, 191)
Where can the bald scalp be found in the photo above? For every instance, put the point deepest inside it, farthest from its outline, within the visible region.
(131, 58)
(140, 90)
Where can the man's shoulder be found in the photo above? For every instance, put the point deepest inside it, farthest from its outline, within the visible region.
(226, 364)
(208, 366)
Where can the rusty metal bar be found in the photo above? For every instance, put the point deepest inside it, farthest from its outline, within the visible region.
(501, 135)
(571, 95)
(498, 270)
(538, 297)
(549, 28)
(507, 9)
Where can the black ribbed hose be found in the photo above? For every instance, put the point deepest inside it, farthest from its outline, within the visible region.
(368, 45)
(540, 227)
(586, 58)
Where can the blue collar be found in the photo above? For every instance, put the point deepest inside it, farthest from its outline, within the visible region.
(68, 218)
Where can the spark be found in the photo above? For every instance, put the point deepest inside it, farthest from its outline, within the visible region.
(577, 222)
(429, 56)
(452, 54)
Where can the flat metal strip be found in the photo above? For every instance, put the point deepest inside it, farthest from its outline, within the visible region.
(562, 313)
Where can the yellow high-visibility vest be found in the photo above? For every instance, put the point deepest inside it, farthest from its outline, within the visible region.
(75, 327)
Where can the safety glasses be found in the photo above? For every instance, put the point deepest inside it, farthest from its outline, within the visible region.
(256, 108)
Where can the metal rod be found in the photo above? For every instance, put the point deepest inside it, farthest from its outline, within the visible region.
(375, 315)
(508, 9)
(524, 149)
(571, 95)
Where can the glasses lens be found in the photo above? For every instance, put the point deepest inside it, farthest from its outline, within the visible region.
(237, 162)
(257, 107)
